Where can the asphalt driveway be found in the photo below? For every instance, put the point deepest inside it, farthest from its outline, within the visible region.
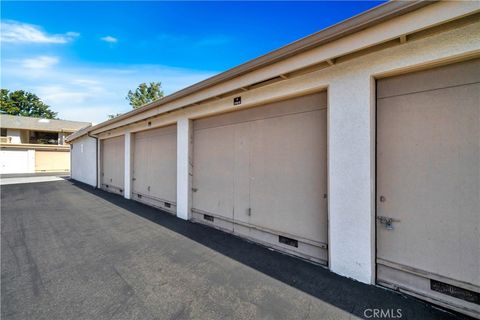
(69, 251)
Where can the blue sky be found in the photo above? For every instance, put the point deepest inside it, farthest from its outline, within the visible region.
(82, 57)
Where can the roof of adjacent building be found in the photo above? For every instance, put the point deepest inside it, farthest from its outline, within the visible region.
(40, 124)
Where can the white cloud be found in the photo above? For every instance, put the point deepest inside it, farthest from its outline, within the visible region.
(41, 62)
(18, 32)
(109, 39)
(87, 93)
(85, 82)
(65, 94)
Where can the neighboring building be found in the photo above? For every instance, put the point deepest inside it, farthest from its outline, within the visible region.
(31, 145)
(357, 147)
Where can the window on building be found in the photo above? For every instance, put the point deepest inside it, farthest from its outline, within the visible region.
(4, 132)
(43, 137)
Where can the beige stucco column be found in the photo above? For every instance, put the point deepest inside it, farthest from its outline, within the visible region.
(352, 176)
(99, 162)
(127, 189)
(184, 168)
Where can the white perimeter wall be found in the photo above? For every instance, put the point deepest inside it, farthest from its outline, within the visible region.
(84, 160)
(17, 161)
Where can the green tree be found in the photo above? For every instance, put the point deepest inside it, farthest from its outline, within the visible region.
(145, 94)
(111, 116)
(22, 103)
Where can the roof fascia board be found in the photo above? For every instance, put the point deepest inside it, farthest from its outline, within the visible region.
(42, 129)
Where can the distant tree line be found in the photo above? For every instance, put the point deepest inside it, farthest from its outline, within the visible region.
(23, 103)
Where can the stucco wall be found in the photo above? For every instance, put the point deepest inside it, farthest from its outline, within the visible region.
(15, 135)
(84, 160)
(25, 136)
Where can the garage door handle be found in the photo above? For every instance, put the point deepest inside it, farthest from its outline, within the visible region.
(133, 179)
(194, 189)
(387, 222)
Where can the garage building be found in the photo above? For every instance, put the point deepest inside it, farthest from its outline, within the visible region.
(357, 148)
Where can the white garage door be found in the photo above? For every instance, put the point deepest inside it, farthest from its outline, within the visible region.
(261, 173)
(428, 182)
(155, 168)
(113, 164)
(17, 161)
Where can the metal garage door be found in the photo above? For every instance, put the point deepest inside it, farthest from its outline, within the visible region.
(113, 164)
(155, 168)
(16, 161)
(428, 182)
(52, 161)
(262, 173)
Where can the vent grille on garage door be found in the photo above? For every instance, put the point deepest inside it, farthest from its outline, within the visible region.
(288, 241)
(456, 292)
(208, 217)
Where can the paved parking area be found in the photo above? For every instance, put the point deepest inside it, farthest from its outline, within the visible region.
(72, 252)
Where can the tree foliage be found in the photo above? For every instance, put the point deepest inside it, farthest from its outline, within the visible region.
(111, 116)
(22, 103)
(145, 94)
